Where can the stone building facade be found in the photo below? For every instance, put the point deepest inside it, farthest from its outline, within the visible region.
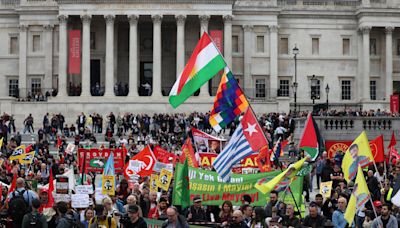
(132, 50)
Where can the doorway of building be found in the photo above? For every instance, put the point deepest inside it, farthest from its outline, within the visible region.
(95, 86)
(146, 79)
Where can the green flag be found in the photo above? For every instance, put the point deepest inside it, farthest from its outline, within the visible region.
(182, 183)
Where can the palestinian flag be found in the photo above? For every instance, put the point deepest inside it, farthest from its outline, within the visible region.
(311, 141)
(205, 62)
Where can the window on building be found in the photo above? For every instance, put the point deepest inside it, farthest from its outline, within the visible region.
(235, 44)
(284, 46)
(346, 46)
(398, 47)
(260, 87)
(283, 88)
(260, 44)
(315, 46)
(346, 90)
(36, 47)
(317, 90)
(36, 86)
(13, 87)
(92, 40)
(372, 89)
(372, 46)
(14, 45)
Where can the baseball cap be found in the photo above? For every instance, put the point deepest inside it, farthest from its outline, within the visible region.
(133, 208)
(197, 199)
(377, 203)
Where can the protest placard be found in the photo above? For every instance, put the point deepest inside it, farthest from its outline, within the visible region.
(80, 200)
(84, 189)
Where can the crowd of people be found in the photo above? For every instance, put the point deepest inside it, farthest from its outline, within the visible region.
(25, 206)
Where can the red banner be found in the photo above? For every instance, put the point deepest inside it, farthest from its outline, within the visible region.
(394, 103)
(97, 158)
(333, 146)
(206, 160)
(216, 36)
(74, 61)
(163, 155)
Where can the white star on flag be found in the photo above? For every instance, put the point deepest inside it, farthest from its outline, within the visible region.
(251, 128)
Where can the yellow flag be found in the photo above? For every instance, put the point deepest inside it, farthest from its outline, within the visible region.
(358, 154)
(17, 153)
(153, 183)
(164, 179)
(358, 198)
(108, 185)
(266, 187)
(26, 158)
(1, 143)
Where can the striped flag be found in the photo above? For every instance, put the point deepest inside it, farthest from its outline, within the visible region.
(205, 62)
(237, 149)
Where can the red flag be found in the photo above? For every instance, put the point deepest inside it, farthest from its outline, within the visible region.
(377, 148)
(252, 131)
(188, 153)
(263, 159)
(12, 186)
(393, 155)
(393, 140)
(146, 160)
(163, 155)
(50, 201)
(28, 148)
(58, 142)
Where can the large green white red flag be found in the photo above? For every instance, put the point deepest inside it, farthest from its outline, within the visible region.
(205, 62)
(311, 141)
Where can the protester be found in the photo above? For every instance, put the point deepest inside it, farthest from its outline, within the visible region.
(34, 218)
(290, 220)
(101, 219)
(247, 211)
(274, 202)
(174, 219)
(133, 219)
(313, 219)
(88, 215)
(385, 220)
(338, 216)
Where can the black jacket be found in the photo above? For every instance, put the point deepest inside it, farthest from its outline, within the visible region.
(199, 215)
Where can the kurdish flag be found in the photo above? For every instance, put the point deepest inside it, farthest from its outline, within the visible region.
(289, 173)
(358, 198)
(358, 154)
(311, 140)
(229, 102)
(205, 62)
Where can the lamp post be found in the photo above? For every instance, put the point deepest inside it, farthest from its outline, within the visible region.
(295, 53)
(327, 96)
(314, 83)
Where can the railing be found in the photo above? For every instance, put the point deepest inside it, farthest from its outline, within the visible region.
(34, 94)
(148, 1)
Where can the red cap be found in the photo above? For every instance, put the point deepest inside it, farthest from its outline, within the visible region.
(377, 203)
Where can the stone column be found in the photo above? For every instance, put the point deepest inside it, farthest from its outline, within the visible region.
(389, 62)
(157, 19)
(204, 92)
(86, 55)
(247, 78)
(109, 85)
(273, 59)
(22, 61)
(359, 83)
(133, 55)
(48, 57)
(62, 56)
(180, 43)
(366, 63)
(228, 39)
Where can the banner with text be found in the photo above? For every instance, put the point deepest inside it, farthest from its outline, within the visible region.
(97, 158)
(332, 147)
(394, 103)
(213, 191)
(74, 60)
(206, 160)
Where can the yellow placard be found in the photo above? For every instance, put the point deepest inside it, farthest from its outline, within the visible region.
(108, 185)
(164, 179)
(153, 183)
(325, 189)
(27, 158)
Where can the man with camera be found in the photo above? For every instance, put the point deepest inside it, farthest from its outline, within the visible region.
(133, 219)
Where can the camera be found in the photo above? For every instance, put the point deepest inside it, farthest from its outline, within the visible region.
(125, 220)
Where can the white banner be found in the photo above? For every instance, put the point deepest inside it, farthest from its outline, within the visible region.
(80, 200)
(84, 189)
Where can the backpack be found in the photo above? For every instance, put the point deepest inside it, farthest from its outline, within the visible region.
(18, 207)
(34, 220)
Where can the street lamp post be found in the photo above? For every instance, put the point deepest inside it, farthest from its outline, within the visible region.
(295, 53)
(327, 96)
(314, 83)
